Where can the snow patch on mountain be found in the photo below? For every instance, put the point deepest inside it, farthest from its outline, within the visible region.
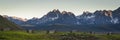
(115, 20)
(54, 18)
(89, 17)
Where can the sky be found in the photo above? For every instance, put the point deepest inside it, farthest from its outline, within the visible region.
(38, 8)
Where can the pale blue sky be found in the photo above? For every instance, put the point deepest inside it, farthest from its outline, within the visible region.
(38, 8)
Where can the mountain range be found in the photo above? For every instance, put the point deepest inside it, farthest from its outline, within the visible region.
(56, 20)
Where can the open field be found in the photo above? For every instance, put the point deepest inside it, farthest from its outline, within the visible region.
(42, 35)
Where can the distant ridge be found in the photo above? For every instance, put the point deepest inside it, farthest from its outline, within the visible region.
(6, 24)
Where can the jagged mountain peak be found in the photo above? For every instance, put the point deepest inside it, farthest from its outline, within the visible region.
(55, 11)
(107, 10)
(67, 13)
(103, 12)
(98, 11)
(64, 12)
(35, 18)
(87, 13)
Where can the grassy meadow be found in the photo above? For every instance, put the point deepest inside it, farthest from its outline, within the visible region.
(43, 35)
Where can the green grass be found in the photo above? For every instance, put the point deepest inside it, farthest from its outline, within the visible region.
(18, 35)
(42, 35)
